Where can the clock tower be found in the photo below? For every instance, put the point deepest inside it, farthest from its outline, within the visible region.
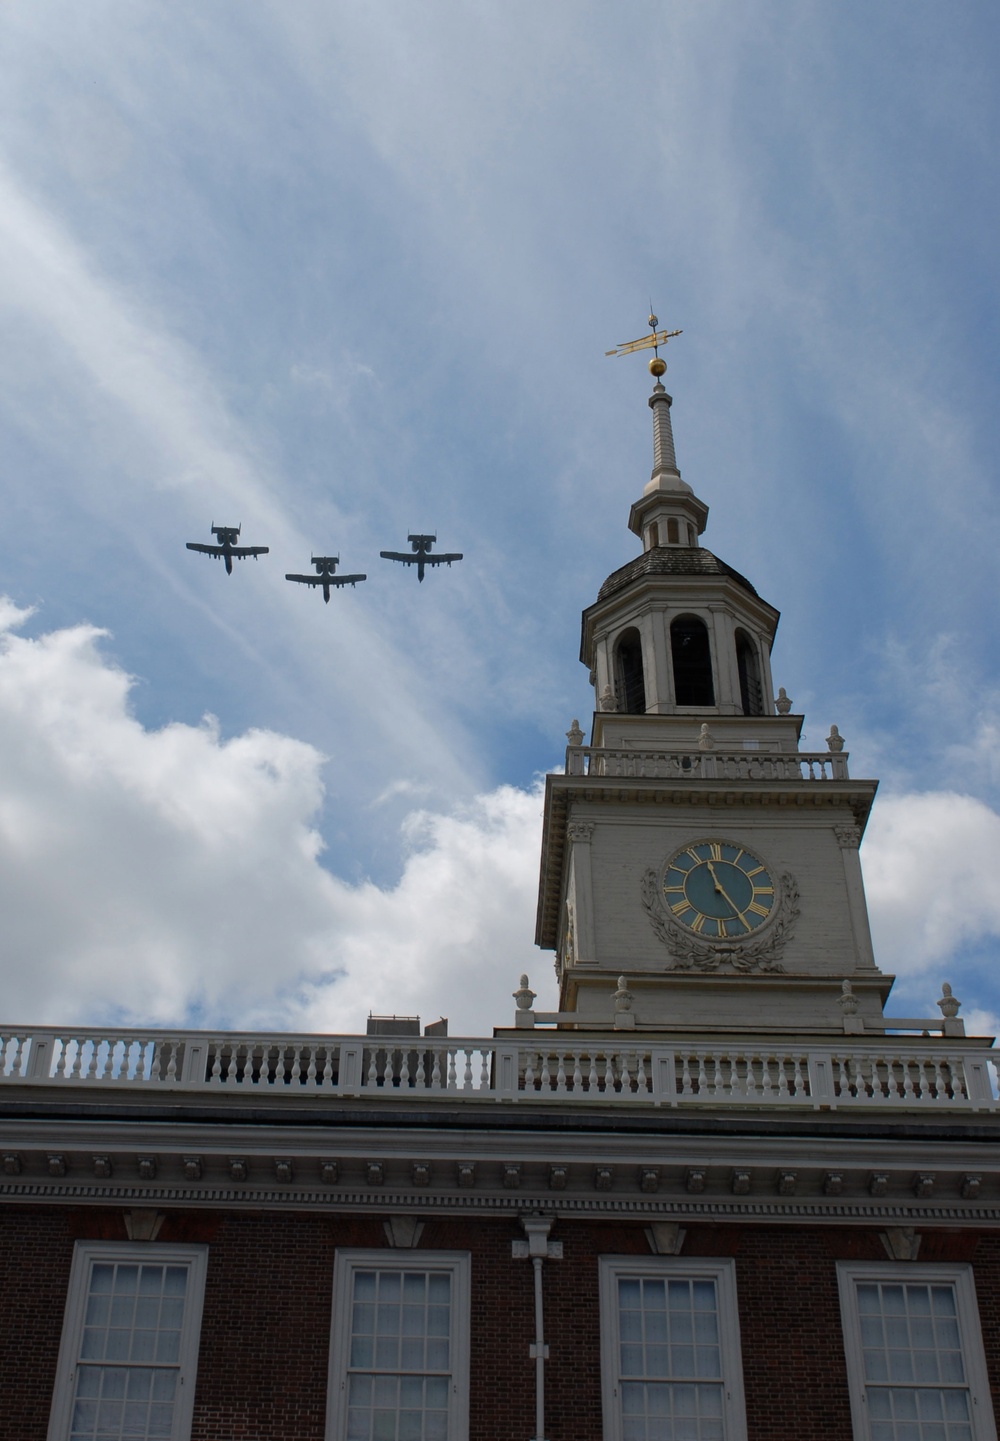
(692, 847)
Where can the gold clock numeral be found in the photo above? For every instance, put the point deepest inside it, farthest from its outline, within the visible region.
(716, 851)
(698, 924)
(757, 910)
(756, 871)
(763, 890)
(694, 855)
(678, 906)
(720, 927)
(673, 890)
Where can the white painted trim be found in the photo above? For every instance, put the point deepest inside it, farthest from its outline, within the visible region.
(85, 1253)
(849, 1273)
(723, 1274)
(348, 1260)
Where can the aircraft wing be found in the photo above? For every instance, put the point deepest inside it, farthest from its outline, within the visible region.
(440, 559)
(241, 551)
(205, 549)
(397, 555)
(330, 580)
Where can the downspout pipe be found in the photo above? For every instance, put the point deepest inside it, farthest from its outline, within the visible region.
(537, 1248)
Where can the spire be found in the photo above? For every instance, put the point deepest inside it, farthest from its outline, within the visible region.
(665, 473)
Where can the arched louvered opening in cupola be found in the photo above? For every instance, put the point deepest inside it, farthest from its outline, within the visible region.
(631, 684)
(692, 660)
(748, 665)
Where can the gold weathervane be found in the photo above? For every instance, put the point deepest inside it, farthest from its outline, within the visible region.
(652, 342)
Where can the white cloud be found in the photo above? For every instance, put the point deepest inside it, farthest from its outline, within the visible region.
(930, 872)
(166, 875)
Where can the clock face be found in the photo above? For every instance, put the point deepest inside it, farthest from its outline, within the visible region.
(719, 890)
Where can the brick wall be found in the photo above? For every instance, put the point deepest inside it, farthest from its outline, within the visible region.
(265, 1334)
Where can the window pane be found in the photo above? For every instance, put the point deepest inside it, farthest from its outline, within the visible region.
(400, 1337)
(130, 1397)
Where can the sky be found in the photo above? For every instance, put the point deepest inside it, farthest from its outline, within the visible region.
(337, 272)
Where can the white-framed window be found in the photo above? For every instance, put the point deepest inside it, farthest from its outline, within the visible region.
(914, 1350)
(399, 1348)
(670, 1350)
(129, 1350)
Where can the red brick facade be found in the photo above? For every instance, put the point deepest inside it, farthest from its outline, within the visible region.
(265, 1331)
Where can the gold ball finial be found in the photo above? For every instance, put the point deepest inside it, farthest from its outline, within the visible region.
(657, 367)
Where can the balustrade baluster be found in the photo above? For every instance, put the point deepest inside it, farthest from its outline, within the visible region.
(577, 1080)
(140, 1063)
(421, 1077)
(952, 1079)
(641, 1083)
(311, 1068)
(702, 1075)
(452, 1071)
(436, 1072)
(923, 1084)
(529, 1072)
(799, 1087)
(373, 1070)
(561, 1074)
(766, 1086)
(404, 1071)
(467, 1079)
(544, 1078)
(624, 1076)
(280, 1069)
(593, 1078)
(18, 1056)
(94, 1057)
(74, 1074)
(686, 1088)
(123, 1066)
(484, 1069)
(328, 1066)
(172, 1062)
(4, 1041)
(781, 1062)
(296, 1071)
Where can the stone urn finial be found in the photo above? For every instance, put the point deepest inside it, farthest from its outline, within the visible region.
(948, 1005)
(834, 741)
(782, 705)
(574, 735)
(847, 1000)
(524, 996)
(706, 741)
(623, 1001)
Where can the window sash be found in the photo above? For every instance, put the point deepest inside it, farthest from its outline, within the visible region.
(670, 1350)
(915, 1362)
(399, 1350)
(128, 1355)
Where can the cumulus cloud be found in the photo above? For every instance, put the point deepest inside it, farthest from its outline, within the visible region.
(173, 875)
(930, 872)
(176, 876)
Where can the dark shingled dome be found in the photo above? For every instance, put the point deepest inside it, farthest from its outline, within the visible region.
(671, 560)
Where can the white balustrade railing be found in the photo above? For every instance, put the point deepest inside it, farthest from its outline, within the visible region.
(916, 1073)
(741, 765)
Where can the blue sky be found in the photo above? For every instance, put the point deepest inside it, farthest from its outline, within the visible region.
(338, 272)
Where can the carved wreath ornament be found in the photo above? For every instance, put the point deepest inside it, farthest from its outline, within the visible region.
(716, 905)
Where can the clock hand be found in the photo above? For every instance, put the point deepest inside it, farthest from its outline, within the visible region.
(724, 894)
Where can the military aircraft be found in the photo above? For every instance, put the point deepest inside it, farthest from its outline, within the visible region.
(421, 545)
(226, 536)
(325, 567)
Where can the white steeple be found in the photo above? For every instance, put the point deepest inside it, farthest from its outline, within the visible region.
(677, 632)
(669, 512)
